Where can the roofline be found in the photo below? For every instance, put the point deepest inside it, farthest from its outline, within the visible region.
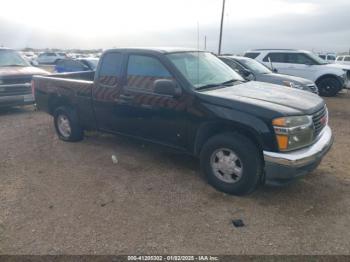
(164, 50)
(267, 49)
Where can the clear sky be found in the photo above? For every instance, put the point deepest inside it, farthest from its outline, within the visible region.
(319, 25)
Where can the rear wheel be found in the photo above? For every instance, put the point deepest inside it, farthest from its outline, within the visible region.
(328, 86)
(231, 163)
(67, 124)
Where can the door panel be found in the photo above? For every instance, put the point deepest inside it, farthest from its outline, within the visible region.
(106, 92)
(153, 116)
(300, 65)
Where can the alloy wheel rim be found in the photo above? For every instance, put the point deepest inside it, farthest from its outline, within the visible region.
(63, 125)
(226, 165)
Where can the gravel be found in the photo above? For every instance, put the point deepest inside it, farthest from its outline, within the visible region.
(111, 195)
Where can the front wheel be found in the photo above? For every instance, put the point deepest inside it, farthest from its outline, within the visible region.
(328, 86)
(67, 125)
(231, 163)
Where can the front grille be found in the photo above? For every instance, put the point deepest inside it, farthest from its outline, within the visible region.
(313, 88)
(16, 80)
(16, 89)
(320, 120)
(15, 85)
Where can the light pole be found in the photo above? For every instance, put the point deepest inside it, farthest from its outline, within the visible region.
(222, 22)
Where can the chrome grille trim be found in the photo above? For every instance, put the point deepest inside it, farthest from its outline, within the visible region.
(317, 120)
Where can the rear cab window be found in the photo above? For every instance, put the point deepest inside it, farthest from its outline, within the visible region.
(110, 69)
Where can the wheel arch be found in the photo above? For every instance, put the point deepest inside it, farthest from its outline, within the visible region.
(329, 75)
(208, 130)
(55, 101)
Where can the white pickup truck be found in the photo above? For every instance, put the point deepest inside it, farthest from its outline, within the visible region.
(329, 78)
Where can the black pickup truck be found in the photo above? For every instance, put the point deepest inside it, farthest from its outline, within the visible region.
(244, 133)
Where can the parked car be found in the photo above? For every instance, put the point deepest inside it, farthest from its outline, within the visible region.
(329, 78)
(50, 57)
(30, 57)
(250, 69)
(75, 65)
(15, 77)
(328, 57)
(343, 60)
(243, 132)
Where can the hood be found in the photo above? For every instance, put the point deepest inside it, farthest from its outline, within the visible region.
(279, 79)
(21, 71)
(284, 100)
(339, 66)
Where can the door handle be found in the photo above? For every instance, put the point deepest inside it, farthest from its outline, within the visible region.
(126, 97)
(123, 99)
(145, 106)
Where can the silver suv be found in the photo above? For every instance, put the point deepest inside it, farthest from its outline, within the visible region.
(329, 78)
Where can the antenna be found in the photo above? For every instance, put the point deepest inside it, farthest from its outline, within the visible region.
(222, 22)
(197, 35)
(197, 52)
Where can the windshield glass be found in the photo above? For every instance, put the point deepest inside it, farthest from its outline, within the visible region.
(202, 69)
(318, 60)
(255, 66)
(11, 58)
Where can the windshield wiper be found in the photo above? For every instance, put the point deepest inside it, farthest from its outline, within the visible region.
(217, 84)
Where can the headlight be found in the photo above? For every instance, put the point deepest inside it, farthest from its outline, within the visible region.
(292, 84)
(293, 132)
(343, 76)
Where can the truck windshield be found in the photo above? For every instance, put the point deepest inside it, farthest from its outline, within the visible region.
(203, 69)
(255, 66)
(11, 58)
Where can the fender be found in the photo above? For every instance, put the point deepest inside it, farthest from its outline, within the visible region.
(235, 121)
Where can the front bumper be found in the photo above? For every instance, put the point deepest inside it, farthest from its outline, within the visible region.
(281, 168)
(16, 100)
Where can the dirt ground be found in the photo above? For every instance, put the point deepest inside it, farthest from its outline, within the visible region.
(70, 198)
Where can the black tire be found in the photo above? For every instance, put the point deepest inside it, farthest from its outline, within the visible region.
(328, 86)
(76, 132)
(249, 158)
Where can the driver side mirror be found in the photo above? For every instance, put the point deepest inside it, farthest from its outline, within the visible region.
(166, 87)
(275, 70)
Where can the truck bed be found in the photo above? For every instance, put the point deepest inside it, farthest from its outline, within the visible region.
(73, 89)
(86, 76)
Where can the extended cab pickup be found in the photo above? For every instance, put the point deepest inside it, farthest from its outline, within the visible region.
(243, 132)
